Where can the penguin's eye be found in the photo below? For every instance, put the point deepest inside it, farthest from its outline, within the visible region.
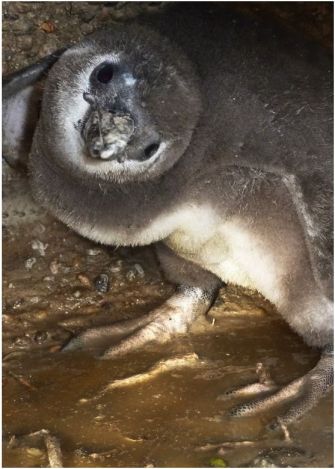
(104, 72)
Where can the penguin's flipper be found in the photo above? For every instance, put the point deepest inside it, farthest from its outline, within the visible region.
(21, 98)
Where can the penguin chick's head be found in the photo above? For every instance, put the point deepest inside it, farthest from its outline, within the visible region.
(120, 106)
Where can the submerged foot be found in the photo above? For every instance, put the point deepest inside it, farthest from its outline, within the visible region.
(159, 326)
(305, 392)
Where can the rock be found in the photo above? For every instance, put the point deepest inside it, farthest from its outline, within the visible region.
(93, 252)
(48, 26)
(135, 271)
(54, 267)
(263, 461)
(84, 280)
(40, 247)
(29, 263)
(86, 28)
(101, 283)
(40, 337)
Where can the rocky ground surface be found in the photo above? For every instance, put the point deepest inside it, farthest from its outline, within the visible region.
(56, 284)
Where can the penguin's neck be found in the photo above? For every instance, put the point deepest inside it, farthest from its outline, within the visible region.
(109, 213)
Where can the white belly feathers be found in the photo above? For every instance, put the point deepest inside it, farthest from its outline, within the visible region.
(226, 248)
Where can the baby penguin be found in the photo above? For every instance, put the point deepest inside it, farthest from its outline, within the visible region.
(209, 134)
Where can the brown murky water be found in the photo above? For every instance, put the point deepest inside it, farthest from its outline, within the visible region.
(49, 295)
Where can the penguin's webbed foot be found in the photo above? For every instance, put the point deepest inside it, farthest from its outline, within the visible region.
(305, 391)
(159, 326)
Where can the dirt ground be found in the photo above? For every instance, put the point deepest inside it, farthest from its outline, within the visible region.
(56, 283)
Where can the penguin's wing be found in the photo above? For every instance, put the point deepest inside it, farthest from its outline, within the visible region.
(21, 97)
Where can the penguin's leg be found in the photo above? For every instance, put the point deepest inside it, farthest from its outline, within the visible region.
(195, 293)
(306, 391)
(302, 394)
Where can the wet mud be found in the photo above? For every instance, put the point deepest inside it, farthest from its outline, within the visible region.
(56, 284)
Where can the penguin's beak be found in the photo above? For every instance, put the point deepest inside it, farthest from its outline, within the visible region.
(106, 134)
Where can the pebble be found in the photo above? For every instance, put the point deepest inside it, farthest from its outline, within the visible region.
(35, 452)
(135, 271)
(101, 283)
(77, 294)
(34, 299)
(30, 262)
(86, 28)
(54, 267)
(93, 252)
(40, 315)
(40, 247)
(84, 280)
(21, 341)
(40, 337)
(48, 279)
(139, 269)
(262, 461)
(48, 26)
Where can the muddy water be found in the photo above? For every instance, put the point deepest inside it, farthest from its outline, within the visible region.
(50, 294)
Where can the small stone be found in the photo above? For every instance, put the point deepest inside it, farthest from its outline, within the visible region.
(81, 452)
(48, 279)
(77, 294)
(84, 280)
(11, 285)
(40, 315)
(135, 271)
(86, 28)
(54, 267)
(34, 299)
(35, 452)
(40, 247)
(40, 337)
(115, 269)
(18, 303)
(262, 461)
(48, 26)
(139, 269)
(101, 283)
(21, 341)
(30, 262)
(93, 252)
(131, 274)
